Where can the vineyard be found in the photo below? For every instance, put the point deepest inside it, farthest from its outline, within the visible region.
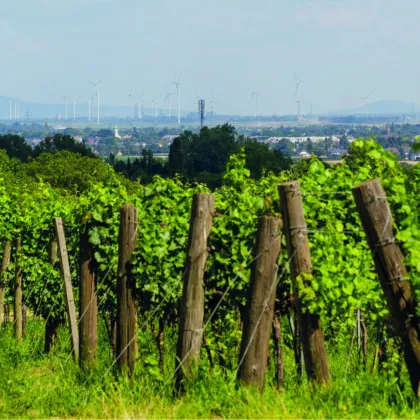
(288, 296)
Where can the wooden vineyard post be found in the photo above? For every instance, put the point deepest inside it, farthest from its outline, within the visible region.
(315, 356)
(258, 317)
(51, 324)
(5, 263)
(126, 290)
(278, 351)
(6, 312)
(375, 214)
(88, 305)
(17, 301)
(24, 316)
(190, 331)
(68, 289)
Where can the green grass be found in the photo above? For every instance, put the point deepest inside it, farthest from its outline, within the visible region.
(38, 386)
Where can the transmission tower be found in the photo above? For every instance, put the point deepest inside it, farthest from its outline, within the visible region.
(201, 108)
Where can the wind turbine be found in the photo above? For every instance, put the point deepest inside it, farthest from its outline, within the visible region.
(10, 109)
(140, 106)
(74, 108)
(97, 86)
(89, 101)
(17, 109)
(168, 98)
(178, 94)
(211, 105)
(65, 97)
(156, 106)
(366, 103)
(299, 100)
(254, 96)
(130, 96)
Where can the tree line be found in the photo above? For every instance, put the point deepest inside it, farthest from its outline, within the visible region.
(202, 157)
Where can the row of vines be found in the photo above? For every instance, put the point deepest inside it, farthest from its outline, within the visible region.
(344, 278)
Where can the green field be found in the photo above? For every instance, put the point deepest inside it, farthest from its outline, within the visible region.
(38, 386)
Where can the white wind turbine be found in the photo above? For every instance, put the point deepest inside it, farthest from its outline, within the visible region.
(130, 96)
(89, 102)
(11, 101)
(178, 94)
(74, 108)
(97, 86)
(254, 97)
(211, 105)
(168, 98)
(140, 107)
(366, 103)
(156, 106)
(65, 97)
(299, 99)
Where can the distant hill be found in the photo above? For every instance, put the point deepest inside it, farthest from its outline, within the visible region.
(384, 107)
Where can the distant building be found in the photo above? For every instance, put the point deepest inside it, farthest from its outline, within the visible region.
(169, 138)
(116, 134)
(338, 152)
(302, 139)
(414, 155)
(304, 154)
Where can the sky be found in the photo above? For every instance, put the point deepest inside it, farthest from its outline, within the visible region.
(222, 50)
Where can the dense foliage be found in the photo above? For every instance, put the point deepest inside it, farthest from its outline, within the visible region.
(202, 157)
(88, 194)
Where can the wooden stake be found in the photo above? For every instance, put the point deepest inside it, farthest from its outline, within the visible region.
(17, 301)
(375, 214)
(192, 303)
(5, 263)
(316, 363)
(24, 315)
(68, 289)
(126, 291)
(258, 315)
(297, 343)
(278, 351)
(6, 312)
(51, 324)
(88, 305)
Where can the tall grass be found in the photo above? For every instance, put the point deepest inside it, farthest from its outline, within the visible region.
(38, 386)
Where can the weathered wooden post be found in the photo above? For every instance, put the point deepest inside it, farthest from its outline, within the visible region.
(259, 311)
(88, 305)
(316, 363)
(51, 323)
(24, 317)
(375, 214)
(6, 312)
(17, 301)
(68, 289)
(5, 263)
(126, 291)
(190, 331)
(278, 350)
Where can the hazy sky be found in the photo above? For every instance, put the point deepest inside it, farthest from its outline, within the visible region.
(226, 48)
